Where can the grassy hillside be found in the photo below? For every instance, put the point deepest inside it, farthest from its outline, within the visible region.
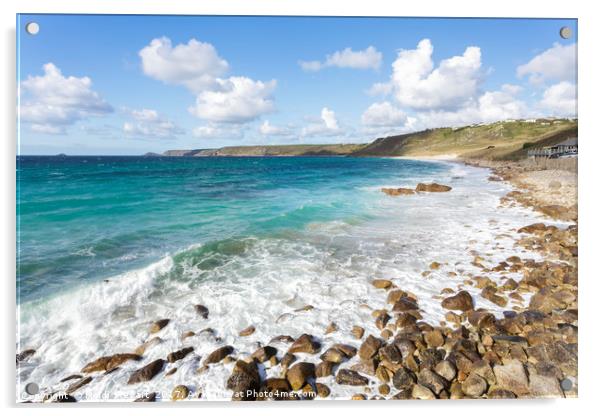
(503, 140)
(496, 141)
(283, 150)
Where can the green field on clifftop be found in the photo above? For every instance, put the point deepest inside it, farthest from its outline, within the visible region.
(503, 140)
(500, 140)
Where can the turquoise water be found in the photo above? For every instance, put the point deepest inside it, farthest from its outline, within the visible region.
(108, 245)
(83, 219)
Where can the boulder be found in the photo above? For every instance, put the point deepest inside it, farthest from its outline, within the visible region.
(434, 338)
(357, 332)
(455, 391)
(511, 376)
(432, 187)
(403, 379)
(305, 343)
(180, 392)
(398, 191)
(187, 334)
(332, 327)
(533, 228)
(384, 389)
(277, 385)
(202, 311)
(382, 319)
(299, 374)
(322, 390)
(483, 368)
(453, 318)
(446, 369)
(366, 366)
(25, 354)
(405, 304)
(158, 325)
(432, 380)
(333, 355)
(346, 349)
(263, 354)
(324, 369)
(474, 385)
(109, 363)
(244, 380)
(351, 378)
(147, 372)
(404, 320)
(78, 384)
(178, 355)
(370, 347)
(247, 331)
(500, 394)
(287, 360)
(395, 294)
(435, 265)
(390, 353)
(382, 283)
(218, 355)
(282, 338)
(148, 344)
(544, 386)
(462, 301)
(490, 293)
(383, 373)
(405, 394)
(421, 392)
(481, 319)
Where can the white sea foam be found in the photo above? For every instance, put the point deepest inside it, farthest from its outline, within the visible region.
(263, 282)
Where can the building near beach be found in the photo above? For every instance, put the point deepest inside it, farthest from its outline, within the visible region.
(566, 148)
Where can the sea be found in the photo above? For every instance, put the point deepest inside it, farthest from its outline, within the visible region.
(107, 245)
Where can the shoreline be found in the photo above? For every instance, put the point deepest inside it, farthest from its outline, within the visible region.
(473, 354)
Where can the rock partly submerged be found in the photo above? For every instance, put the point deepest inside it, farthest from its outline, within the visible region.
(421, 187)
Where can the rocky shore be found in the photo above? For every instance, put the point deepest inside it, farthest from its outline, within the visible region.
(530, 351)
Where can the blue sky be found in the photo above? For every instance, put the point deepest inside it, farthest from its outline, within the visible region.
(99, 85)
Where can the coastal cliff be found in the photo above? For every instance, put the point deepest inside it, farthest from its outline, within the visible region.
(502, 140)
(272, 150)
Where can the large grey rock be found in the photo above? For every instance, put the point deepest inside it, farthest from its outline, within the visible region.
(544, 386)
(147, 372)
(512, 376)
(350, 377)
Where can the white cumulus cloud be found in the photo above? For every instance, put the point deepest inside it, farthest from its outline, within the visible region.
(238, 100)
(195, 65)
(559, 63)
(369, 58)
(328, 125)
(416, 83)
(561, 99)
(383, 114)
(148, 123)
(502, 104)
(268, 129)
(50, 103)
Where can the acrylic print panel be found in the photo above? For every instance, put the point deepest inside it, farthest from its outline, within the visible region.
(265, 208)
